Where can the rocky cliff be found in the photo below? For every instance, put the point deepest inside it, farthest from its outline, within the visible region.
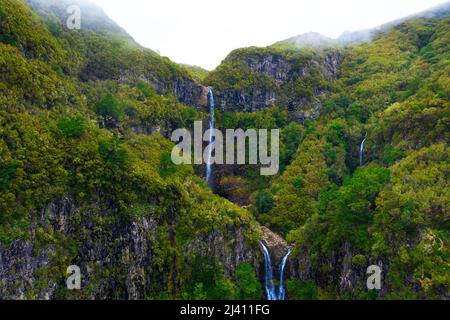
(256, 78)
(119, 258)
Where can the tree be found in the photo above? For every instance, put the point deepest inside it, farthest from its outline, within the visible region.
(109, 110)
(113, 152)
(411, 224)
(264, 202)
(73, 127)
(302, 290)
(247, 282)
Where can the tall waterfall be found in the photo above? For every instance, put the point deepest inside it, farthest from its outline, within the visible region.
(268, 274)
(282, 291)
(211, 142)
(269, 285)
(361, 151)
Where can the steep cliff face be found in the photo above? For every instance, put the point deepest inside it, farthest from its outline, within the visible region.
(249, 101)
(118, 258)
(253, 79)
(344, 271)
(275, 243)
(185, 90)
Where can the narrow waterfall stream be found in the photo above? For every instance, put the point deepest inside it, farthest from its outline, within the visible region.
(268, 274)
(211, 142)
(361, 151)
(271, 292)
(282, 291)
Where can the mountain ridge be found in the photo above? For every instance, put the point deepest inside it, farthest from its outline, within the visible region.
(86, 176)
(93, 16)
(314, 39)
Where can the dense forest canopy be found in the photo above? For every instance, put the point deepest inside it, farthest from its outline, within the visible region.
(86, 175)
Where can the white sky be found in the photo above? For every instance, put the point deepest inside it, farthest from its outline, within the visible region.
(203, 32)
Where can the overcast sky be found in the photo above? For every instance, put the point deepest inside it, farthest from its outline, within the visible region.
(203, 32)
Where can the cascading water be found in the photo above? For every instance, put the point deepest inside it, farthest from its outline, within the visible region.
(268, 274)
(211, 142)
(271, 293)
(361, 151)
(282, 291)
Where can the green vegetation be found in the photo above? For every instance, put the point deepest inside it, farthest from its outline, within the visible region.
(297, 82)
(73, 127)
(86, 172)
(207, 282)
(302, 290)
(249, 285)
(196, 72)
(393, 209)
(80, 145)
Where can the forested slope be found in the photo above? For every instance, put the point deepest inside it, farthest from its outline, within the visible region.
(342, 216)
(83, 183)
(86, 176)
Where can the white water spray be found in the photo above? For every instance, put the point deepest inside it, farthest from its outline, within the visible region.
(268, 274)
(269, 285)
(361, 151)
(282, 291)
(211, 141)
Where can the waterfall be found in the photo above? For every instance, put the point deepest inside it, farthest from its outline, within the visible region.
(282, 291)
(361, 151)
(268, 274)
(211, 142)
(271, 293)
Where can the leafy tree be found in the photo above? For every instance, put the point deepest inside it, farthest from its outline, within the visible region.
(7, 172)
(247, 282)
(411, 224)
(110, 111)
(302, 290)
(208, 274)
(72, 127)
(113, 152)
(264, 202)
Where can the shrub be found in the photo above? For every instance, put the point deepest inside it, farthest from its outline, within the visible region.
(248, 284)
(7, 172)
(110, 110)
(302, 290)
(113, 152)
(359, 260)
(72, 127)
(264, 202)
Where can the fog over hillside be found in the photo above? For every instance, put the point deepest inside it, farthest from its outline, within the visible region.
(203, 32)
(349, 37)
(93, 16)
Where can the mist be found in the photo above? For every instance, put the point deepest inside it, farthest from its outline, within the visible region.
(204, 32)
